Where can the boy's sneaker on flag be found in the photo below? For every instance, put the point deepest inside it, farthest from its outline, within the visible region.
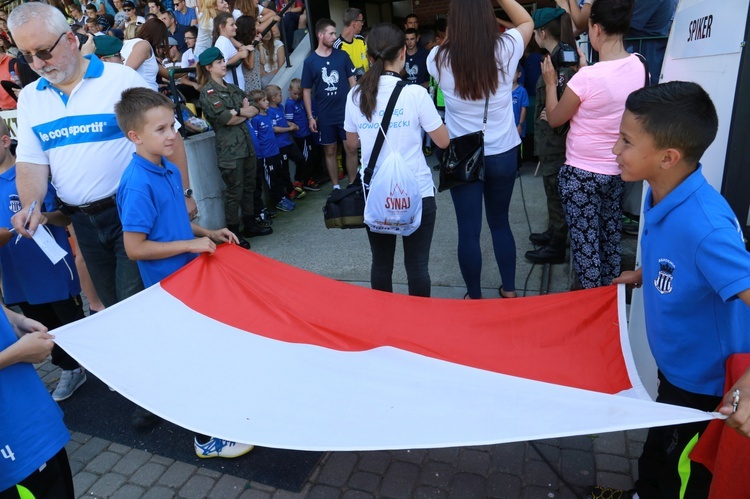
(221, 448)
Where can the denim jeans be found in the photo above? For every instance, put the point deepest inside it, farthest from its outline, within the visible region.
(416, 254)
(115, 276)
(496, 190)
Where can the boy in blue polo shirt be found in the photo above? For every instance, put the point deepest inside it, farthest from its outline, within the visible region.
(294, 111)
(695, 277)
(46, 292)
(156, 230)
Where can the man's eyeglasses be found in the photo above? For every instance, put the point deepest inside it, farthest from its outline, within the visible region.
(44, 55)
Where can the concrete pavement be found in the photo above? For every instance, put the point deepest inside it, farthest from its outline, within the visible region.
(554, 468)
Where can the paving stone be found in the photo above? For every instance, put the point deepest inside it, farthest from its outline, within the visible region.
(610, 443)
(102, 463)
(637, 435)
(504, 486)
(228, 487)
(616, 464)
(83, 481)
(177, 474)
(255, 494)
(634, 469)
(165, 461)
(375, 462)
(578, 467)
(107, 485)
(285, 494)
(538, 493)
(355, 494)
(119, 448)
(543, 452)
(429, 493)
(580, 442)
(468, 485)
(415, 456)
(128, 491)
(399, 480)
(539, 473)
(474, 461)
(148, 474)
(555, 442)
(445, 455)
(159, 493)
(81, 438)
(76, 467)
(614, 480)
(72, 446)
(263, 487)
(338, 468)
(508, 458)
(635, 449)
(132, 461)
(90, 449)
(362, 480)
(209, 473)
(566, 493)
(436, 474)
(196, 487)
(323, 492)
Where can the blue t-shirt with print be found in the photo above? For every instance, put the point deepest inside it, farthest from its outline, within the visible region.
(263, 126)
(520, 100)
(416, 67)
(283, 139)
(328, 77)
(295, 112)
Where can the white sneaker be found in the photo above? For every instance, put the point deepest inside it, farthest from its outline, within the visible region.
(221, 448)
(69, 383)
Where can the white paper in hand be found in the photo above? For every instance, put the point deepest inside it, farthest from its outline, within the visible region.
(48, 245)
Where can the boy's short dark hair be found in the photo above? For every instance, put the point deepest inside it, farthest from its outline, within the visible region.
(678, 115)
(91, 6)
(133, 105)
(321, 25)
(410, 31)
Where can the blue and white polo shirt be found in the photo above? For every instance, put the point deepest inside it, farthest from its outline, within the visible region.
(77, 135)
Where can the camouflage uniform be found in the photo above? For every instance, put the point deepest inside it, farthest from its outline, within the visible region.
(235, 155)
(549, 146)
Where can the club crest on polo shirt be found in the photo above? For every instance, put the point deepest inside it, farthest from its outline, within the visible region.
(663, 281)
(14, 203)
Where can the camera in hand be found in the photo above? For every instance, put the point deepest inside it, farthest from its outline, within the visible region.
(565, 56)
(81, 39)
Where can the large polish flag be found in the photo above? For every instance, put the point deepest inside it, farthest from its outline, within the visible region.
(245, 348)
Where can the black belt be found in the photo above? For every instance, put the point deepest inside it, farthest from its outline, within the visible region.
(91, 208)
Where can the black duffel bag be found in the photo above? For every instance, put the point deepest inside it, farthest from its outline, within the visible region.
(345, 208)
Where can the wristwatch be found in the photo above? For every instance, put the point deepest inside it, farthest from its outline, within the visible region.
(188, 193)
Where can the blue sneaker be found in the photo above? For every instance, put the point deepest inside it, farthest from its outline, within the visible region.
(285, 205)
(221, 448)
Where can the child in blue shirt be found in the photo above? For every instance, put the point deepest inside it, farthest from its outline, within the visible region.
(46, 292)
(287, 147)
(294, 111)
(520, 103)
(695, 277)
(156, 229)
(268, 154)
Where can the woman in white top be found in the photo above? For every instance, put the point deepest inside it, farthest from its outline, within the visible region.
(144, 52)
(271, 55)
(594, 100)
(224, 31)
(476, 63)
(263, 16)
(207, 11)
(414, 112)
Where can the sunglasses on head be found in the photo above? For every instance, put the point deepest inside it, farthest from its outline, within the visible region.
(128, 9)
(44, 55)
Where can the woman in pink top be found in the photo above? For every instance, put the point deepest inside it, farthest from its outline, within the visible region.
(594, 101)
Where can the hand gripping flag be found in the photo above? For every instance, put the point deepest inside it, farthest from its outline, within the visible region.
(228, 347)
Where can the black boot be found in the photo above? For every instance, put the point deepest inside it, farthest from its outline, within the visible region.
(251, 228)
(236, 231)
(554, 252)
(541, 238)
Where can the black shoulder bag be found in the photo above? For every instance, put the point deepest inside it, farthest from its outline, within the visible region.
(345, 208)
(463, 160)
